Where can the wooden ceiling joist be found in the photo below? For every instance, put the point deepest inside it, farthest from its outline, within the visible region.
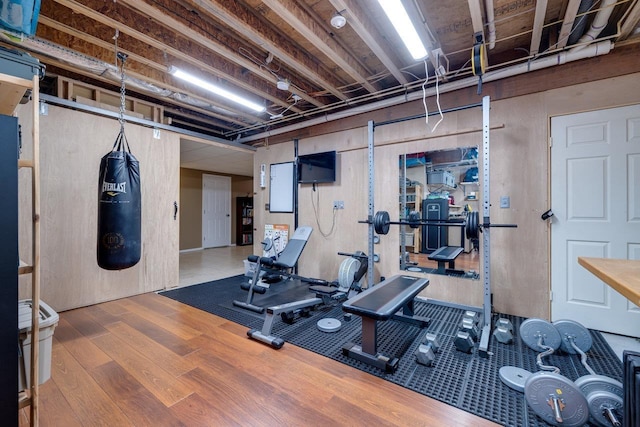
(252, 33)
(538, 25)
(365, 29)
(235, 76)
(303, 24)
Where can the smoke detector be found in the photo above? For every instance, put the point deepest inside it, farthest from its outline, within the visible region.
(283, 84)
(338, 21)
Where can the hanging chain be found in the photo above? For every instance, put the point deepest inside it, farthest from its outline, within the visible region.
(122, 57)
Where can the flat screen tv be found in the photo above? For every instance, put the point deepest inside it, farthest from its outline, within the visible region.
(317, 167)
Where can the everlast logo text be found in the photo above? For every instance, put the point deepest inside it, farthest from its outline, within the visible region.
(113, 188)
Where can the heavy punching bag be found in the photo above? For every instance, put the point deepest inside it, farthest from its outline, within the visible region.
(119, 206)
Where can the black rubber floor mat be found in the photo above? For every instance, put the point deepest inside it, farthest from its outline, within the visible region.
(463, 380)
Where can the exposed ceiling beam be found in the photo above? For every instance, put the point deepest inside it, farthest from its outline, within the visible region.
(222, 13)
(476, 17)
(88, 12)
(538, 25)
(631, 22)
(567, 23)
(361, 24)
(295, 16)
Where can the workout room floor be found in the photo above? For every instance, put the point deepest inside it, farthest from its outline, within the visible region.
(205, 265)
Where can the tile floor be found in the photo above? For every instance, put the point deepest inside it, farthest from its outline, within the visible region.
(204, 265)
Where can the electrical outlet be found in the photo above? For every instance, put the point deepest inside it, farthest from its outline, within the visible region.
(338, 204)
(505, 202)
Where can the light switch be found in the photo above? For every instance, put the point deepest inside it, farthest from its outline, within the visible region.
(505, 202)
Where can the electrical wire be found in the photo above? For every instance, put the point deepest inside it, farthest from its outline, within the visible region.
(424, 96)
(315, 211)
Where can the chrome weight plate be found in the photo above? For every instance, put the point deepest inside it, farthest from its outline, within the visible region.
(329, 324)
(601, 401)
(532, 329)
(514, 377)
(591, 383)
(542, 389)
(572, 329)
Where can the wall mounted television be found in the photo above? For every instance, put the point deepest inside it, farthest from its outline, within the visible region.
(317, 168)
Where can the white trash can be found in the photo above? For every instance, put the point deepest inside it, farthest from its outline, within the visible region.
(48, 322)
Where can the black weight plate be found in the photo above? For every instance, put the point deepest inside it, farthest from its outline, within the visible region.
(381, 222)
(471, 226)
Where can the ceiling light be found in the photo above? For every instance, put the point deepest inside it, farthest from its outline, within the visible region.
(338, 21)
(216, 89)
(402, 23)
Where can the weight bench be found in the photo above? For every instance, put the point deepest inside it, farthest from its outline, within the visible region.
(287, 259)
(445, 254)
(383, 302)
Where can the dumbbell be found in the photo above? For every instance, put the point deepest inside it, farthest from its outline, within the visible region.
(425, 354)
(553, 397)
(604, 394)
(468, 332)
(503, 331)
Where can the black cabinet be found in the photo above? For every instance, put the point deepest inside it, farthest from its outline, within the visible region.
(244, 221)
(9, 270)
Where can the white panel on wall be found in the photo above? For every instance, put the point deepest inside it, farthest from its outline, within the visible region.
(633, 188)
(587, 183)
(587, 289)
(588, 134)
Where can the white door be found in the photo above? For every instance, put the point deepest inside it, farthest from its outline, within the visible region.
(216, 211)
(595, 198)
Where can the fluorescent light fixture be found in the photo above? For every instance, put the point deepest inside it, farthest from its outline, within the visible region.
(215, 89)
(402, 23)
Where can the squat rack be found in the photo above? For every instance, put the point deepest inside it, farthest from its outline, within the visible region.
(486, 258)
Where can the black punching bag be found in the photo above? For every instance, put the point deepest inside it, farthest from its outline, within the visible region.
(119, 208)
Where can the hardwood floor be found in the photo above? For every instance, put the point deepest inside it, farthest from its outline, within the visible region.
(151, 361)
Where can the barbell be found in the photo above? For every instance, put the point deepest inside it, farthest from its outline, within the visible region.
(381, 223)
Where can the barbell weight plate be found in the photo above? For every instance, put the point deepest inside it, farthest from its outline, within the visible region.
(514, 377)
(414, 219)
(471, 225)
(532, 329)
(572, 329)
(381, 222)
(542, 386)
(598, 401)
(592, 383)
(329, 324)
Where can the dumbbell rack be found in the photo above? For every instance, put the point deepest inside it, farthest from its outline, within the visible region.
(485, 320)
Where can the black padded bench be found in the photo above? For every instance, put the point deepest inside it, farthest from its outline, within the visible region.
(445, 254)
(382, 302)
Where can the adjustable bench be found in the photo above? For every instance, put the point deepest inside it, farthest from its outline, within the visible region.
(446, 254)
(382, 302)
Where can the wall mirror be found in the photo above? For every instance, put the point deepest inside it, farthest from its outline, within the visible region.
(438, 186)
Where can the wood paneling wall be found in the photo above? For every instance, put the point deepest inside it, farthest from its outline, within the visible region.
(520, 258)
(72, 144)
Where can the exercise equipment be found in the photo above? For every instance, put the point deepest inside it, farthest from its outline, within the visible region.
(287, 259)
(553, 397)
(604, 394)
(503, 331)
(463, 342)
(472, 223)
(351, 274)
(119, 200)
(382, 222)
(380, 303)
(426, 352)
(468, 332)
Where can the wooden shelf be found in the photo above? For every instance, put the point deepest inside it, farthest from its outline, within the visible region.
(12, 90)
(22, 163)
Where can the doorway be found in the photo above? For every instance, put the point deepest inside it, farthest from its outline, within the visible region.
(216, 211)
(595, 198)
